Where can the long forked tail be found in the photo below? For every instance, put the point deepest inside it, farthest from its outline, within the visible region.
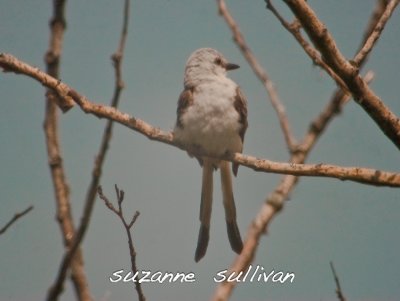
(230, 209)
(205, 210)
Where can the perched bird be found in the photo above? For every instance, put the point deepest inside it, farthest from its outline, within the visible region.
(212, 119)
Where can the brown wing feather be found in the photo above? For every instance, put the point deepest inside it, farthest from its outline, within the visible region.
(185, 100)
(240, 104)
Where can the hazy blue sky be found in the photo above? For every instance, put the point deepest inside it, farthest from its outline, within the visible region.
(353, 225)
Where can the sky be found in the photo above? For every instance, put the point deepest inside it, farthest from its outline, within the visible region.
(353, 225)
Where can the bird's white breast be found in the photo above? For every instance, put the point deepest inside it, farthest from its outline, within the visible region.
(212, 121)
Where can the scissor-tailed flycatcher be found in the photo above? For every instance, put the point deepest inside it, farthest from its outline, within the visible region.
(212, 117)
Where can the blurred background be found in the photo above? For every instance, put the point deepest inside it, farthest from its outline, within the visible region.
(353, 225)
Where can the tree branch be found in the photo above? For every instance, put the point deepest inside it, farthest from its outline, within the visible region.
(61, 190)
(375, 32)
(53, 54)
(119, 212)
(261, 75)
(387, 121)
(17, 216)
(357, 174)
(100, 158)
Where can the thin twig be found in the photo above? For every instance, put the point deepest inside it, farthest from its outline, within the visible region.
(376, 32)
(373, 20)
(261, 74)
(17, 216)
(100, 158)
(339, 292)
(127, 226)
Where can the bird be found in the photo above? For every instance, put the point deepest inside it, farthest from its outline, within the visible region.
(212, 119)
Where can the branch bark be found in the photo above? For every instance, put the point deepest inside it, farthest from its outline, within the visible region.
(61, 189)
(376, 29)
(355, 174)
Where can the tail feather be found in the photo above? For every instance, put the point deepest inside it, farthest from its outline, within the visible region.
(205, 210)
(230, 210)
(202, 243)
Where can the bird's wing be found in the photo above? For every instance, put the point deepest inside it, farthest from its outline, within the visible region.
(184, 102)
(240, 104)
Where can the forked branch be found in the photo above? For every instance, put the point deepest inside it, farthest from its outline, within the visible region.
(127, 226)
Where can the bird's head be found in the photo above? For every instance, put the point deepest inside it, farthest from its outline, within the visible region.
(205, 63)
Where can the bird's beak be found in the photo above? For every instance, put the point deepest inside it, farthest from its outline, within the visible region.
(230, 66)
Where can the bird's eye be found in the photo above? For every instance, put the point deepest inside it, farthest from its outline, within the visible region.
(218, 61)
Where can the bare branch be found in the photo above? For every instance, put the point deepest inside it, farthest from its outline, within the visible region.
(387, 121)
(134, 218)
(119, 53)
(53, 54)
(260, 73)
(362, 175)
(97, 169)
(376, 32)
(10, 62)
(120, 214)
(356, 174)
(373, 20)
(338, 288)
(64, 215)
(17, 216)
